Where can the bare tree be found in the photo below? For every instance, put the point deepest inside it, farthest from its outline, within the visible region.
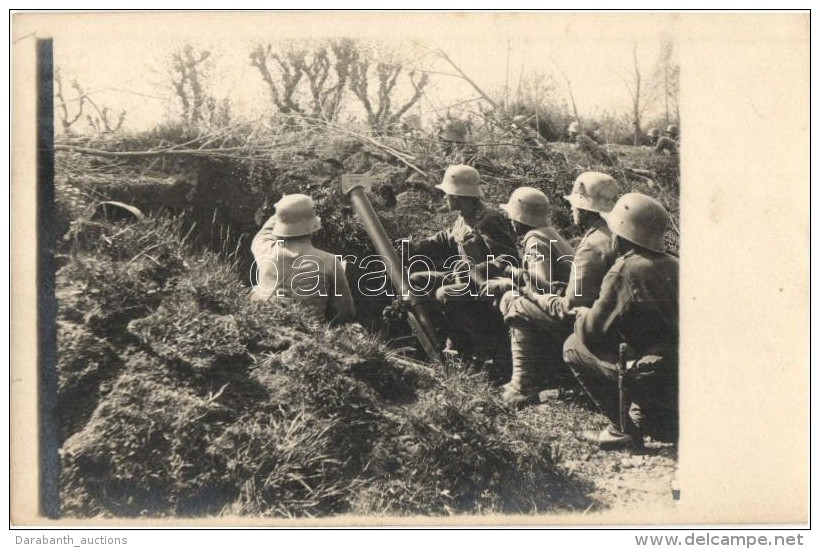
(641, 92)
(67, 120)
(102, 123)
(379, 109)
(188, 73)
(313, 81)
(667, 72)
(284, 83)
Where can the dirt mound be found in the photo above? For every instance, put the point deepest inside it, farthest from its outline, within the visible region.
(199, 402)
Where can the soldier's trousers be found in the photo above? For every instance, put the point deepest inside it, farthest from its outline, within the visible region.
(652, 396)
(471, 323)
(536, 339)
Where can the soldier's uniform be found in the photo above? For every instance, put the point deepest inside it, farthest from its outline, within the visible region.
(638, 305)
(670, 141)
(666, 144)
(539, 325)
(295, 270)
(468, 320)
(472, 239)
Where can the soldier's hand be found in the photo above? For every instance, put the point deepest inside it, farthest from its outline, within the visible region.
(531, 293)
(558, 288)
(578, 312)
(495, 287)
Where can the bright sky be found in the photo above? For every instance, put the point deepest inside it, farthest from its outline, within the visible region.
(119, 58)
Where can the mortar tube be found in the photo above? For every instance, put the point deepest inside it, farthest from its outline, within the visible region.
(398, 277)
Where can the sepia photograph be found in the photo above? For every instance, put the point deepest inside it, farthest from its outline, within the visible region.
(378, 268)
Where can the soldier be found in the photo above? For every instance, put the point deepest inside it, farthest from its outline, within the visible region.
(521, 128)
(454, 131)
(638, 305)
(652, 135)
(590, 147)
(670, 141)
(592, 133)
(462, 254)
(540, 322)
(411, 129)
(545, 255)
(454, 137)
(573, 130)
(290, 268)
(520, 124)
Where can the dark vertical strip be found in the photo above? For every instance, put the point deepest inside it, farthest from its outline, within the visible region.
(46, 302)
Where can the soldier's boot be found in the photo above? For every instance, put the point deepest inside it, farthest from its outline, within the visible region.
(528, 370)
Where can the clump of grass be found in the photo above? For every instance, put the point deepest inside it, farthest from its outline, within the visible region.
(459, 449)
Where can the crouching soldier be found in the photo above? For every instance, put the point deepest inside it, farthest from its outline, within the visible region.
(290, 268)
(544, 254)
(638, 305)
(669, 142)
(652, 136)
(540, 322)
(478, 246)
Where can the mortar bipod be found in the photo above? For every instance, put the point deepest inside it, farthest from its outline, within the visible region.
(355, 186)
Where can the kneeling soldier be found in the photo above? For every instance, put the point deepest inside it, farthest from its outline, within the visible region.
(638, 305)
(540, 323)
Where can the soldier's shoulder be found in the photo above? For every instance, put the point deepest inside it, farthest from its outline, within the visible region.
(639, 262)
(490, 218)
(599, 238)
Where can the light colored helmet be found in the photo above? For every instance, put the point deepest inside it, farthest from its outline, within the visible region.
(528, 206)
(455, 130)
(640, 219)
(672, 129)
(653, 132)
(295, 216)
(594, 191)
(461, 180)
(574, 127)
(519, 119)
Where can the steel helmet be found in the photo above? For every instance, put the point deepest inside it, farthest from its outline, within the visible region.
(574, 127)
(593, 191)
(528, 206)
(653, 132)
(455, 130)
(672, 129)
(461, 180)
(295, 216)
(640, 219)
(520, 119)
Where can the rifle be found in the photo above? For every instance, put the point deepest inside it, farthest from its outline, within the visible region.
(354, 186)
(622, 403)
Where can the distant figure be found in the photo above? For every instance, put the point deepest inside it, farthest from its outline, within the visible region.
(454, 135)
(574, 131)
(411, 129)
(521, 124)
(522, 128)
(290, 268)
(669, 143)
(652, 136)
(597, 153)
(454, 131)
